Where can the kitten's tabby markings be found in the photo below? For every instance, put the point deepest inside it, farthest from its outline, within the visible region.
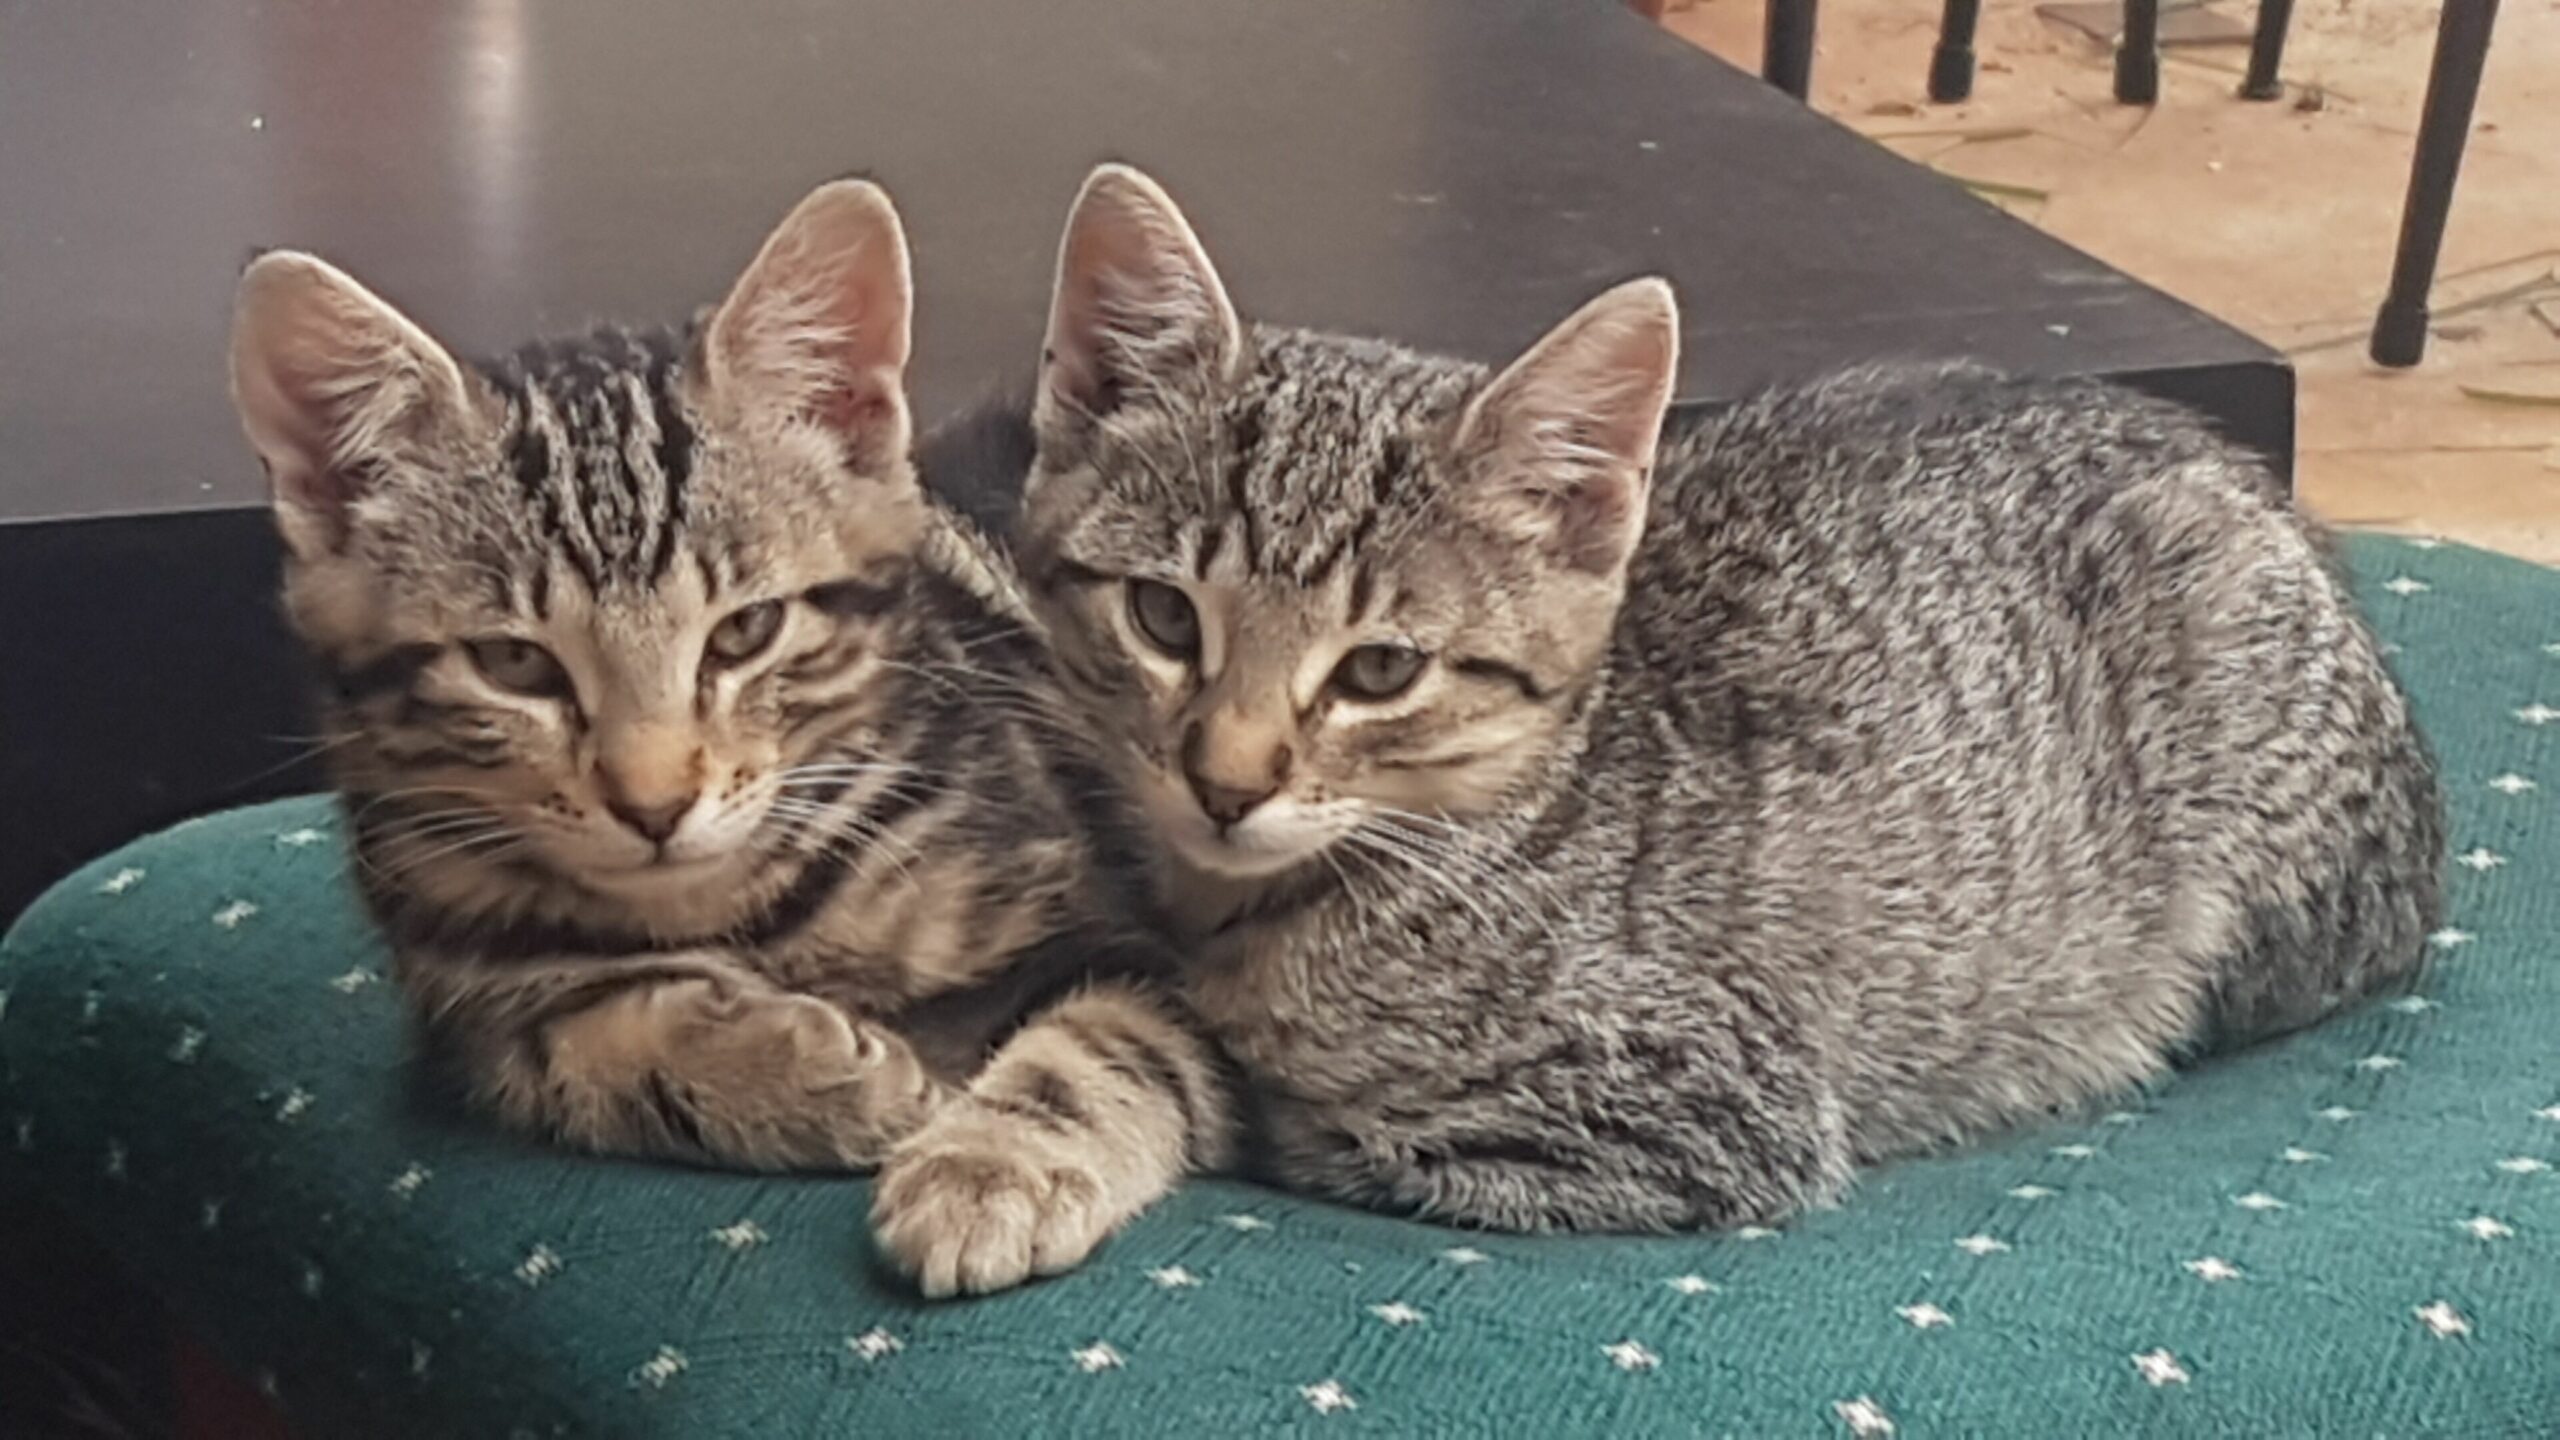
(702, 773)
(1940, 750)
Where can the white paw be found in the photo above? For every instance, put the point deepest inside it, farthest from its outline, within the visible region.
(979, 1202)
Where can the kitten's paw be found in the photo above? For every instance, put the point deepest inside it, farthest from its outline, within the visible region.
(878, 1091)
(820, 1043)
(979, 1202)
(812, 1084)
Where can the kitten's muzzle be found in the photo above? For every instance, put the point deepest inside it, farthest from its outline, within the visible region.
(655, 821)
(1233, 772)
(649, 776)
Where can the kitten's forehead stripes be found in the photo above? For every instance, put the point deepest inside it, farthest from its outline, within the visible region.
(603, 450)
(1318, 464)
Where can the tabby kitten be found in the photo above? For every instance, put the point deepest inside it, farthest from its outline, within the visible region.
(1944, 749)
(699, 770)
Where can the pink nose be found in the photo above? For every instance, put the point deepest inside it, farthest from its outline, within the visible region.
(652, 822)
(1230, 784)
(1227, 804)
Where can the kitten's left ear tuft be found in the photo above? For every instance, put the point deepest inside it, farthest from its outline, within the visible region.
(818, 327)
(1138, 312)
(1558, 448)
(331, 384)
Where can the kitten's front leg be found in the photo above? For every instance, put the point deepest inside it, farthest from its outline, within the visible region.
(1642, 1139)
(1082, 1120)
(694, 1058)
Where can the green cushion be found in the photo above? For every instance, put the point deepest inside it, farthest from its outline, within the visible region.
(2354, 1230)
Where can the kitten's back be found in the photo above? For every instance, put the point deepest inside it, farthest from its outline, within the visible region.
(2059, 718)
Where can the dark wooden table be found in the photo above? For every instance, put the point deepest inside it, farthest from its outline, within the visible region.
(1457, 173)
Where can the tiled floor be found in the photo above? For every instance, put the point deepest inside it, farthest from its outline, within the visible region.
(2279, 217)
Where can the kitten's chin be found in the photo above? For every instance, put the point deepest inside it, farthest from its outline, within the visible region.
(1209, 855)
(659, 881)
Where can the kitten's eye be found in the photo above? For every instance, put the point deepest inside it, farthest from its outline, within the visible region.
(1166, 617)
(519, 665)
(1379, 672)
(744, 633)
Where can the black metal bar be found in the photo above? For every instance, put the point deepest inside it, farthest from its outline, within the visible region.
(1951, 68)
(2266, 51)
(2453, 84)
(1786, 52)
(2138, 54)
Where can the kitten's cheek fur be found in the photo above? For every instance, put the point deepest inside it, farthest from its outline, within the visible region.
(721, 831)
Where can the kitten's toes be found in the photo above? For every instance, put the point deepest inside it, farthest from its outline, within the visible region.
(983, 1210)
(862, 1082)
(959, 1223)
(821, 1043)
(1071, 1225)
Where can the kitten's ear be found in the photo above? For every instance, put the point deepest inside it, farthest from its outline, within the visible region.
(1558, 448)
(817, 329)
(330, 381)
(1138, 308)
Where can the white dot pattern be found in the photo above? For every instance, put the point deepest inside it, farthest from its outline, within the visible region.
(1243, 1298)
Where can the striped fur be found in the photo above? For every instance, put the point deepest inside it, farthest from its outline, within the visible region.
(706, 777)
(1883, 762)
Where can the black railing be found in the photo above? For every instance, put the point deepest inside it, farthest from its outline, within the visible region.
(2453, 86)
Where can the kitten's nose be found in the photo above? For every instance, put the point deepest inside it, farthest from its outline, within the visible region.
(648, 774)
(1232, 771)
(655, 821)
(1227, 804)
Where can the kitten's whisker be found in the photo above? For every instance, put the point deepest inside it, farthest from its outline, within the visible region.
(1422, 865)
(941, 672)
(307, 747)
(1350, 891)
(839, 778)
(822, 824)
(1439, 822)
(410, 864)
(445, 825)
(992, 694)
(385, 797)
(1447, 842)
(428, 826)
(1494, 872)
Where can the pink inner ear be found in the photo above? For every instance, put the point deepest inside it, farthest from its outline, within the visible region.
(306, 400)
(317, 496)
(1593, 522)
(852, 408)
(817, 327)
(1137, 302)
(331, 488)
(864, 411)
